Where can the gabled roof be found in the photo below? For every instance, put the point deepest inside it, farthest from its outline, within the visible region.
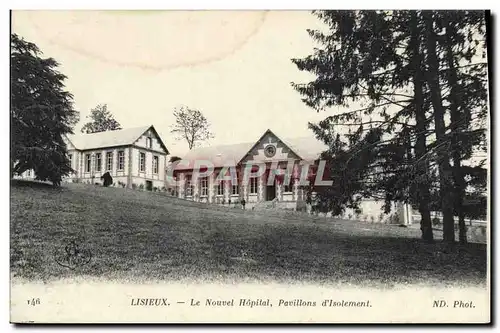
(123, 137)
(268, 131)
(220, 156)
(307, 148)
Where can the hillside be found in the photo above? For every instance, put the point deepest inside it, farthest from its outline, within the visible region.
(136, 235)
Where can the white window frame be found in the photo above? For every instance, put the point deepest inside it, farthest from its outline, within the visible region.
(156, 163)
(189, 186)
(254, 185)
(121, 160)
(204, 187)
(142, 162)
(221, 188)
(88, 163)
(109, 161)
(98, 162)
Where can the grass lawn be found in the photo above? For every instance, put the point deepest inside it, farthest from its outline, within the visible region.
(139, 236)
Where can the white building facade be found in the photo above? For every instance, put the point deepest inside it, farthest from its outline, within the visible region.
(134, 157)
(270, 189)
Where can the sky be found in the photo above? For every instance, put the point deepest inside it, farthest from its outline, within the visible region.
(234, 66)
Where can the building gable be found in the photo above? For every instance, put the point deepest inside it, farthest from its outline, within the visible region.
(151, 140)
(270, 148)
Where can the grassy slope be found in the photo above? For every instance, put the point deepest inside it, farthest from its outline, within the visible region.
(137, 235)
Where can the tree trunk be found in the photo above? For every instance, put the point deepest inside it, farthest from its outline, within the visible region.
(12, 168)
(445, 180)
(456, 128)
(423, 193)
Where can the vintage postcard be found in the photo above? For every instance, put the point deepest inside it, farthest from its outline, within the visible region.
(249, 166)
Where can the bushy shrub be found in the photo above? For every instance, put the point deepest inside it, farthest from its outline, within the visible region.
(395, 219)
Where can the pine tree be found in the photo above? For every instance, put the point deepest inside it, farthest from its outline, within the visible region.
(362, 61)
(442, 144)
(396, 64)
(464, 76)
(421, 164)
(41, 113)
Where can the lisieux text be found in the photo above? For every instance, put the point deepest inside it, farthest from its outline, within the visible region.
(252, 302)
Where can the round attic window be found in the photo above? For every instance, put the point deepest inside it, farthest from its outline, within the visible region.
(270, 151)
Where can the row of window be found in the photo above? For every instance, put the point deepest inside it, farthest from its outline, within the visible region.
(120, 162)
(220, 187)
(142, 163)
